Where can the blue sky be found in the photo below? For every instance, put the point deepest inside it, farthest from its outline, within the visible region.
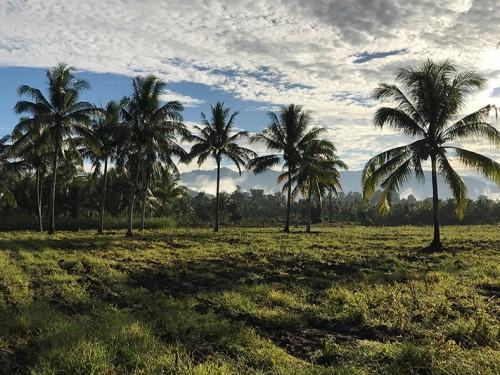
(108, 86)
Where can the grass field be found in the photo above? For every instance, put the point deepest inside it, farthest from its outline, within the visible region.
(344, 300)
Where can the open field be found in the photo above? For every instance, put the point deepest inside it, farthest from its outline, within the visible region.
(346, 300)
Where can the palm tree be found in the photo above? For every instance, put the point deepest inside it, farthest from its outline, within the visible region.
(217, 139)
(317, 174)
(288, 135)
(429, 108)
(105, 128)
(32, 144)
(64, 117)
(6, 169)
(151, 137)
(165, 191)
(167, 186)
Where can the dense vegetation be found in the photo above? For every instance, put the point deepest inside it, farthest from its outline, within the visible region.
(173, 204)
(345, 300)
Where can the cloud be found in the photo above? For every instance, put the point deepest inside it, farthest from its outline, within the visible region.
(265, 51)
(186, 100)
(209, 185)
(369, 56)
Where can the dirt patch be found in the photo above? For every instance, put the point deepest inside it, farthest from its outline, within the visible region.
(489, 290)
(305, 338)
(344, 331)
(175, 245)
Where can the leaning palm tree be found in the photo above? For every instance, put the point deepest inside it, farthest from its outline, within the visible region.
(64, 117)
(317, 174)
(105, 127)
(153, 127)
(217, 140)
(429, 108)
(288, 135)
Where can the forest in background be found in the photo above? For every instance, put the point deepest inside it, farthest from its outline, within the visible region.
(173, 204)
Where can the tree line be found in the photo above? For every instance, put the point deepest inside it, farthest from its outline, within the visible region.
(171, 203)
(135, 145)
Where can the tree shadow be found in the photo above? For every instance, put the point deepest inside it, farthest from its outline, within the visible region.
(67, 244)
(184, 278)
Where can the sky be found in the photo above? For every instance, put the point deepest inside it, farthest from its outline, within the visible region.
(254, 55)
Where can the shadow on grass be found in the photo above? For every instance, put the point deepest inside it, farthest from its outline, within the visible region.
(90, 242)
(189, 278)
(87, 244)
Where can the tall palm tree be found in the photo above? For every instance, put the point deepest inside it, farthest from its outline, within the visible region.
(288, 135)
(64, 117)
(105, 127)
(153, 127)
(32, 144)
(429, 106)
(317, 174)
(217, 140)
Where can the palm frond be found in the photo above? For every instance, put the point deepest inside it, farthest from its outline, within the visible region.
(398, 120)
(473, 126)
(392, 183)
(488, 167)
(262, 163)
(381, 165)
(455, 182)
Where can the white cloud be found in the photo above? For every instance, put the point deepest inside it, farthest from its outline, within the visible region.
(209, 185)
(267, 51)
(186, 100)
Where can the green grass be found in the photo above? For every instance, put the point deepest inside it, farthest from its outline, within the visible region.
(344, 300)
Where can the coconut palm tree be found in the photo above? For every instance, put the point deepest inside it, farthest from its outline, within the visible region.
(167, 186)
(64, 117)
(428, 108)
(217, 139)
(165, 190)
(317, 174)
(153, 127)
(32, 144)
(7, 167)
(105, 127)
(288, 136)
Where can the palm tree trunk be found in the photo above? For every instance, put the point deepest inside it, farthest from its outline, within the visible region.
(39, 199)
(309, 208)
(133, 190)
(216, 226)
(52, 224)
(143, 214)
(130, 213)
(103, 198)
(288, 202)
(436, 242)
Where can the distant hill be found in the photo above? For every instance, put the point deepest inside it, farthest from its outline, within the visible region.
(200, 180)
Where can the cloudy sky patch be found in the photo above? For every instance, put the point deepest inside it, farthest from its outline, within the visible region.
(253, 54)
